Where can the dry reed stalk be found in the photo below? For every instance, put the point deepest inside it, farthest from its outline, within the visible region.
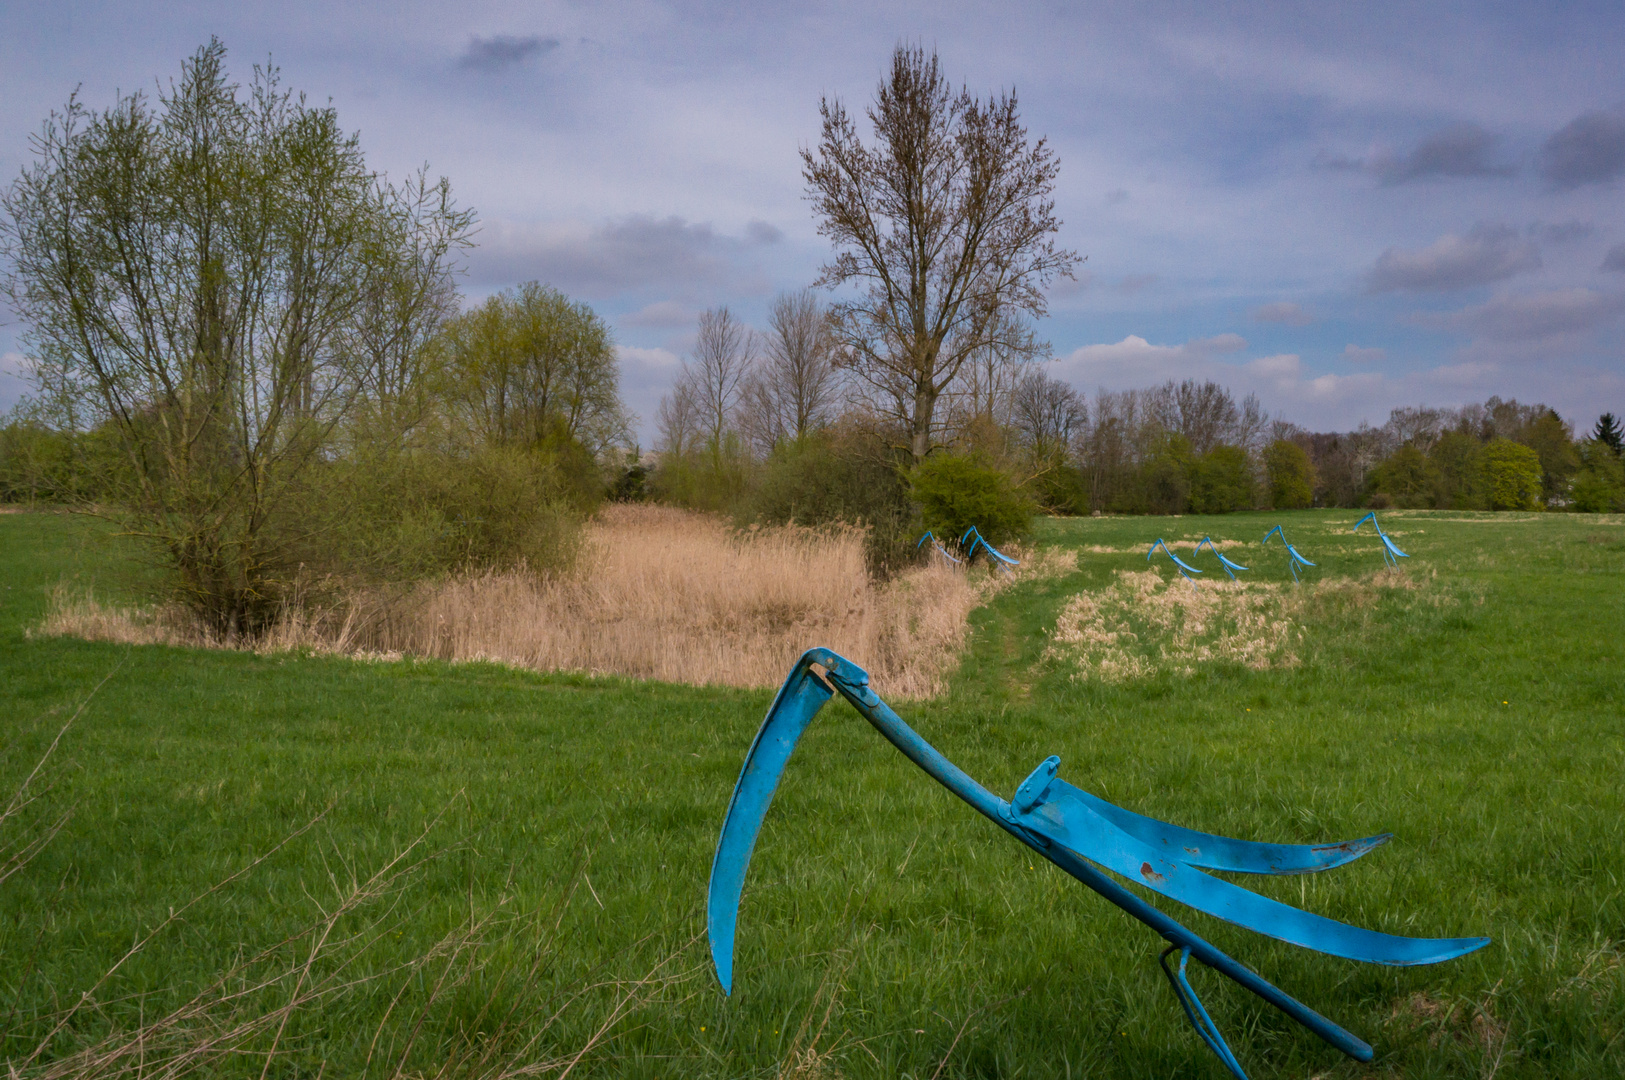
(658, 593)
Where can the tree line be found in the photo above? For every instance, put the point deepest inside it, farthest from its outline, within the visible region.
(249, 351)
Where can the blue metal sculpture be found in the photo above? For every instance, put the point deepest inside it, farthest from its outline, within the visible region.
(944, 552)
(972, 540)
(1390, 552)
(1296, 559)
(1074, 829)
(1184, 567)
(1229, 566)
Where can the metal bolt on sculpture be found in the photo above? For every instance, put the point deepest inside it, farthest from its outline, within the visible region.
(1296, 559)
(1077, 832)
(1390, 553)
(1229, 567)
(973, 540)
(1184, 567)
(944, 552)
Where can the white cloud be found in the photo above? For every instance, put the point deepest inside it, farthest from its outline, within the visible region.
(1281, 366)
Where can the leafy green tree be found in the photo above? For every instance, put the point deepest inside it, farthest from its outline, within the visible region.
(1221, 481)
(1165, 476)
(211, 277)
(956, 491)
(1459, 460)
(1512, 475)
(531, 368)
(1407, 477)
(1552, 440)
(1290, 475)
(1599, 486)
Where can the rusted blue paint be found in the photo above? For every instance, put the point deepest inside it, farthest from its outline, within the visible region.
(1295, 558)
(1229, 567)
(1184, 567)
(1390, 551)
(1077, 832)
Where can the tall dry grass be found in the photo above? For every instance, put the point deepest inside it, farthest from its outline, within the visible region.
(658, 593)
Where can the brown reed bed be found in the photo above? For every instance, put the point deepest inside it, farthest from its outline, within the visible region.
(658, 593)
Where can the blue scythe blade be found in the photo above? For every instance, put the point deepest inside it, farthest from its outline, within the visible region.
(1181, 563)
(1393, 550)
(1224, 853)
(798, 701)
(1229, 566)
(1297, 556)
(1069, 820)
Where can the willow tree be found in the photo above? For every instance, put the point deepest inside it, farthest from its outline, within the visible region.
(216, 278)
(945, 228)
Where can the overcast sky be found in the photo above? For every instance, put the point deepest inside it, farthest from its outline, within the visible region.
(1341, 207)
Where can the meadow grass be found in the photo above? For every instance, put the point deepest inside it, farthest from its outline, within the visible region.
(886, 929)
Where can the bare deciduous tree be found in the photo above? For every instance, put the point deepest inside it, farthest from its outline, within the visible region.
(721, 359)
(947, 224)
(795, 387)
(1047, 415)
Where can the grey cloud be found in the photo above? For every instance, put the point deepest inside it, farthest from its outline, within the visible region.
(763, 232)
(503, 51)
(631, 252)
(1359, 355)
(1487, 253)
(1615, 259)
(1564, 232)
(1533, 316)
(1590, 149)
(1283, 311)
(1461, 149)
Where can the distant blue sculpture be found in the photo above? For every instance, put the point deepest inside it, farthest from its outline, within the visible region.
(1229, 566)
(1184, 567)
(944, 552)
(1390, 553)
(1077, 832)
(1296, 559)
(972, 541)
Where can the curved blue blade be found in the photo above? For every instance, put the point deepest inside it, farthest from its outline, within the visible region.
(1296, 555)
(1371, 517)
(1390, 545)
(923, 539)
(1068, 820)
(1224, 853)
(798, 701)
(1180, 562)
(1274, 532)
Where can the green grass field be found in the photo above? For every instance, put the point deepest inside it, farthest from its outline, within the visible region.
(571, 821)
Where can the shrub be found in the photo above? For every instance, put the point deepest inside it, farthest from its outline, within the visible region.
(956, 491)
(1512, 475)
(406, 516)
(1221, 481)
(1459, 461)
(839, 476)
(1289, 474)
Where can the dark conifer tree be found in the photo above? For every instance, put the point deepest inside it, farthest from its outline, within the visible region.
(1607, 431)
